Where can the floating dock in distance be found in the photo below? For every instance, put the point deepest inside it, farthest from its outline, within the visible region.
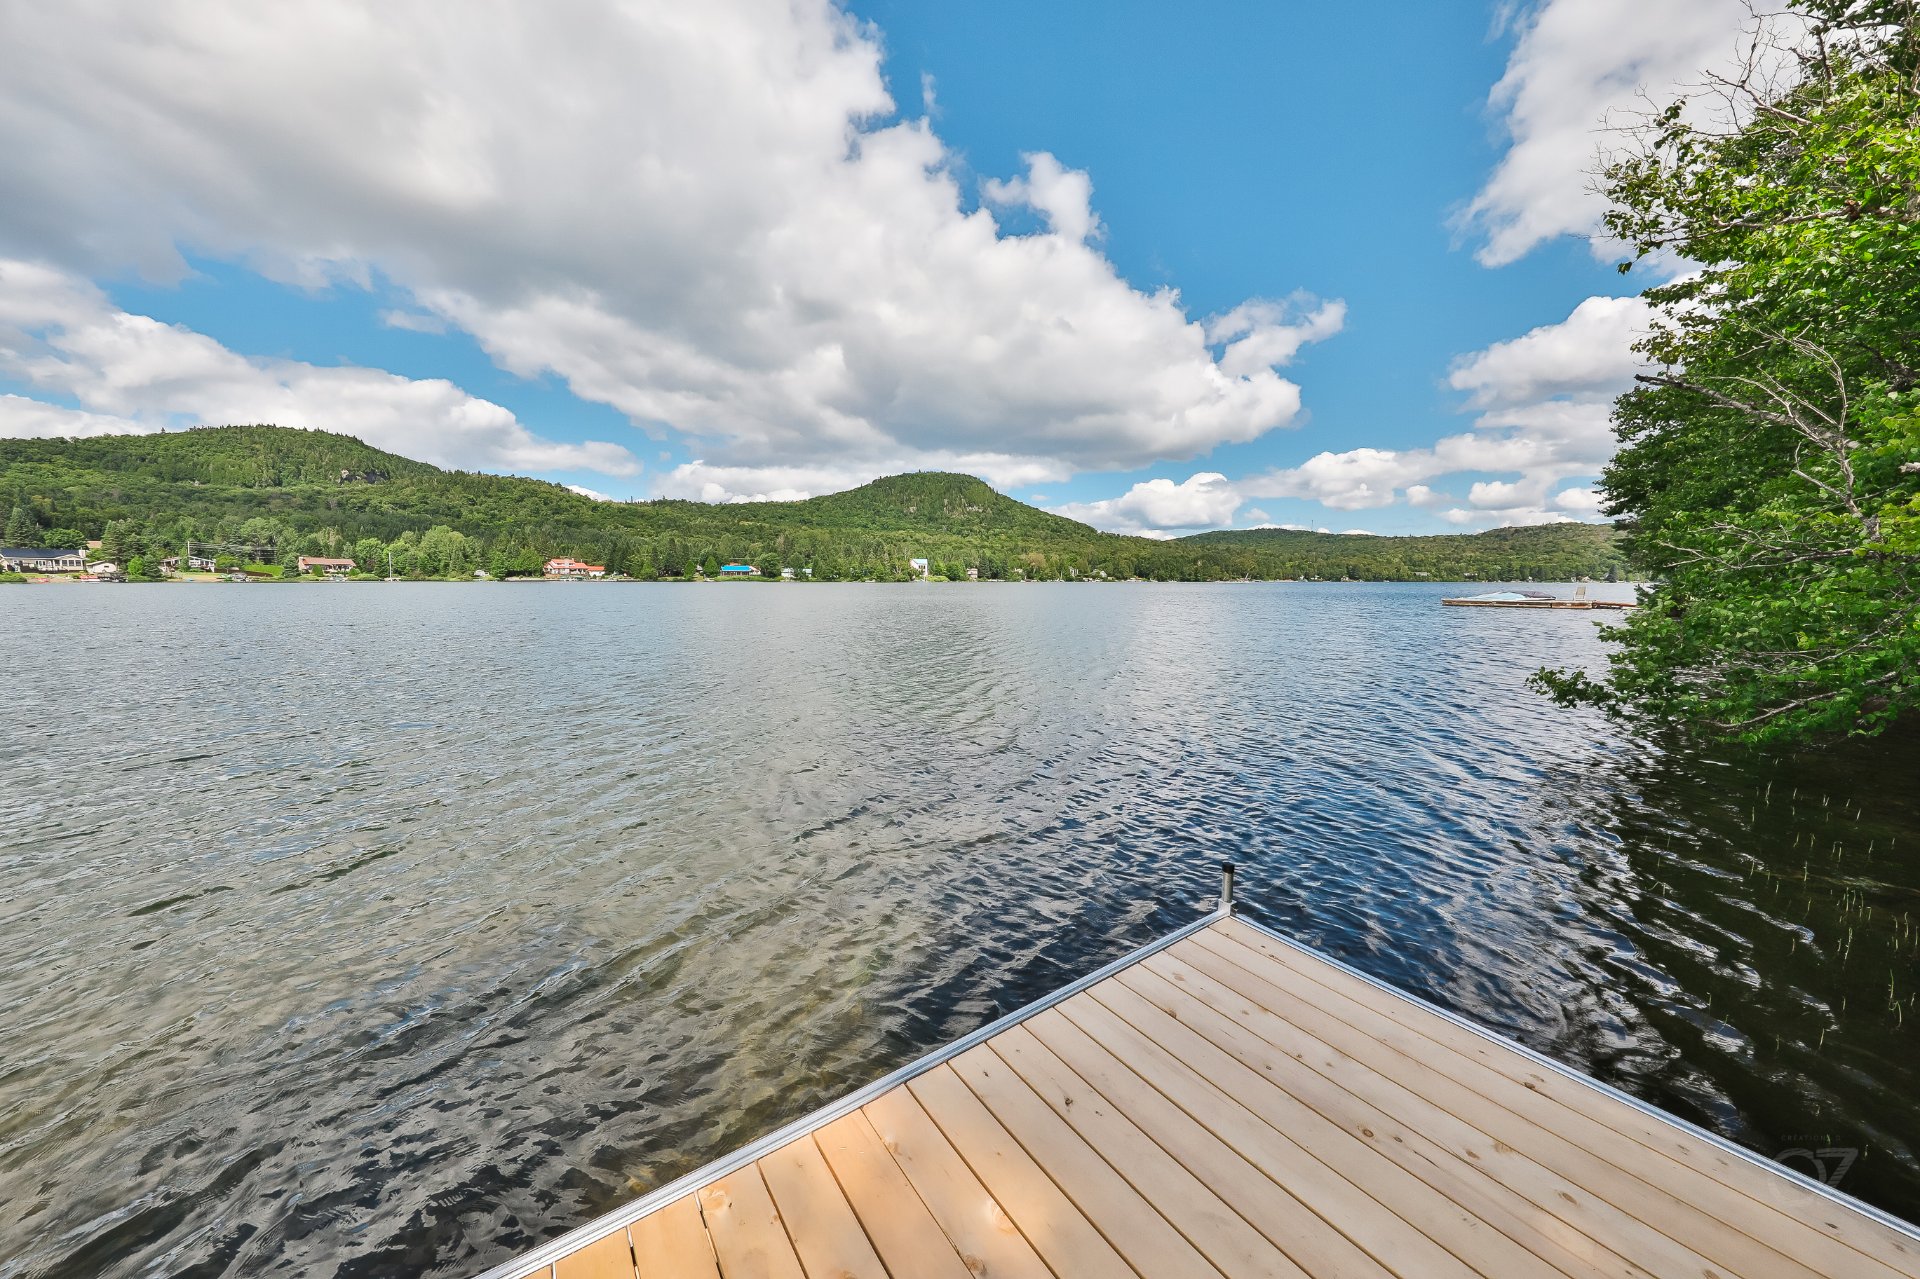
(1534, 599)
(1225, 1102)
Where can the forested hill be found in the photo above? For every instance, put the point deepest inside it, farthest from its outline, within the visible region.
(1437, 555)
(275, 492)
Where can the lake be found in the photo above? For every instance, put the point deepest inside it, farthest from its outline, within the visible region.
(390, 929)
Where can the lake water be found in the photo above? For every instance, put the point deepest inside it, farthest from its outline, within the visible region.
(391, 929)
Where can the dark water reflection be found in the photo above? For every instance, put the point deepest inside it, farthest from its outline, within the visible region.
(391, 929)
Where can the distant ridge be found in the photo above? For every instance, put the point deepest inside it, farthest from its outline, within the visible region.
(314, 492)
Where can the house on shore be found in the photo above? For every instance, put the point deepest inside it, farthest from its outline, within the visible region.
(40, 559)
(566, 566)
(195, 563)
(308, 563)
(738, 570)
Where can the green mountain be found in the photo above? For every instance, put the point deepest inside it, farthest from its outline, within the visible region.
(276, 493)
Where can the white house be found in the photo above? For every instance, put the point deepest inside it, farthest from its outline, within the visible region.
(566, 566)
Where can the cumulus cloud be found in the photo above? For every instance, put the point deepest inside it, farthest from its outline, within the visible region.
(704, 481)
(23, 418)
(1579, 501)
(1206, 500)
(715, 220)
(1542, 401)
(1062, 196)
(1260, 334)
(1575, 65)
(61, 336)
(1585, 357)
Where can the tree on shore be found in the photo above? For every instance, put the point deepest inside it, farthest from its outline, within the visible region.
(1770, 469)
(22, 528)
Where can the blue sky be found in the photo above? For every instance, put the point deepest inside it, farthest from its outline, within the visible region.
(776, 250)
(1255, 149)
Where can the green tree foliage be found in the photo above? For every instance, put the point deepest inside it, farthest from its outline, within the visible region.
(269, 495)
(1771, 462)
(22, 528)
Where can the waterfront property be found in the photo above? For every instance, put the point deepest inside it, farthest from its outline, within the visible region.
(739, 570)
(38, 559)
(195, 563)
(324, 563)
(1227, 1102)
(566, 566)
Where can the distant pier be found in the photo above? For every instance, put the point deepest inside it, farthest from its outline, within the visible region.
(1534, 599)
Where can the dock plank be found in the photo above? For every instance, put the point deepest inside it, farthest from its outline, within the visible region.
(1132, 1222)
(1422, 1180)
(986, 1237)
(672, 1243)
(1330, 1225)
(1057, 1229)
(1440, 1185)
(749, 1241)
(898, 1224)
(826, 1234)
(1671, 1229)
(608, 1257)
(1157, 1171)
(1622, 1132)
(1227, 1104)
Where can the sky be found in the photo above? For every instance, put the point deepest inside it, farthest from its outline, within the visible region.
(1159, 268)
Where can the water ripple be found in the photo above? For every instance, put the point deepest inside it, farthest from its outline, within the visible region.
(390, 930)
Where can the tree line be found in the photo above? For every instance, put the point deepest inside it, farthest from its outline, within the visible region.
(274, 494)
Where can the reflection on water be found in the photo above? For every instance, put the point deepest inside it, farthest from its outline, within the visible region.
(381, 930)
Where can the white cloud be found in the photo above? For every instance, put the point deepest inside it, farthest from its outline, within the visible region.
(1205, 500)
(761, 254)
(1586, 357)
(584, 491)
(1576, 63)
(1579, 501)
(22, 418)
(1062, 196)
(1260, 334)
(1544, 402)
(1350, 481)
(61, 336)
(1510, 517)
(413, 321)
(703, 481)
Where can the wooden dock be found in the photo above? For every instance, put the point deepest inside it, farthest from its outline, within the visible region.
(1225, 1102)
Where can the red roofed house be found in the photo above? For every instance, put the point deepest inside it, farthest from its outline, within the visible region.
(565, 567)
(324, 564)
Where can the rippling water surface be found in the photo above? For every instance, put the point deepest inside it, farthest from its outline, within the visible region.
(384, 930)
